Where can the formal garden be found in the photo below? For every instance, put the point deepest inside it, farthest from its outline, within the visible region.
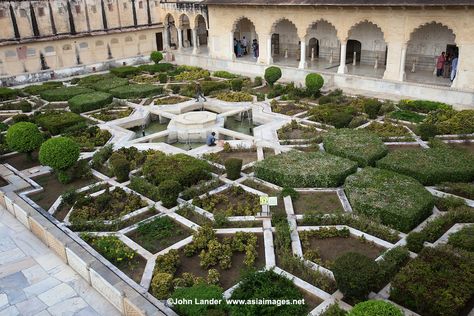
(370, 209)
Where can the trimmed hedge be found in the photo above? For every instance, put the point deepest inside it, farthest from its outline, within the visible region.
(397, 200)
(106, 85)
(152, 69)
(451, 121)
(63, 94)
(463, 238)
(196, 293)
(423, 106)
(136, 91)
(88, 102)
(224, 74)
(272, 74)
(57, 122)
(59, 153)
(375, 308)
(338, 116)
(169, 192)
(358, 145)
(314, 83)
(233, 167)
(439, 282)
(37, 89)
(431, 166)
(23, 137)
(125, 71)
(156, 56)
(8, 94)
(297, 169)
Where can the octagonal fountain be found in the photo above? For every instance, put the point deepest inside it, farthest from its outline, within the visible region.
(193, 126)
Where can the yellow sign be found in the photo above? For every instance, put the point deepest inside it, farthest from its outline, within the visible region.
(264, 200)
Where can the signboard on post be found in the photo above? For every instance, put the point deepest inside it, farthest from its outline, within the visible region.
(269, 200)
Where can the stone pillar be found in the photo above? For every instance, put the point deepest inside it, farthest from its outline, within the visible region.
(166, 40)
(180, 39)
(195, 42)
(403, 60)
(342, 65)
(269, 59)
(465, 72)
(396, 58)
(231, 45)
(302, 64)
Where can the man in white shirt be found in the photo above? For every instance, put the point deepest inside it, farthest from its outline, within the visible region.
(244, 45)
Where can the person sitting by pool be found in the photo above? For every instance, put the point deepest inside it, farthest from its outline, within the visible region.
(211, 139)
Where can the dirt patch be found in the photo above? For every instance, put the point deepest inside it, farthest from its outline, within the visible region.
(21, 161)
(53, 189)
(228, 277)
(321, 202)
(402, 147)
(331, 248)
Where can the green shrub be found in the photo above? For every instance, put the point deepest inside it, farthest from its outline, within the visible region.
(101, 156)
(169, 192)
(465, 190)
(427, 130)
(423, 106)
(314, 83)
(397, 200)
(375, 308)
(225, 74)
(289, 192)
(408, 116)
(88, 81)
(463, 238)
(20, 118)
(25, 107)
(358, 145)
(89, 102)
(299, 170)
(211, 86)
(334, 310)
(258, 81)
(431, 166)
(8, 94)
(152, 69)
(163, 78)
(392, 261)
(338, 116)
(161, 285)
(372, 107)
(182, 168)
(156, 57)
(267, 285)
(440, 281)
(355, 274)
(120, 166)
(58, 122)
(24, 137)
(454, 122)
(235, 97)
(106, 85)
(197, 292)
(36, 89)
(167, 263)
(63, 94)
(136, 91)
(59, 153)
(175, 88)
(145, 188)
(125, 71)
(233, 167)
(272, 74)
(236, 84)
(112, 248)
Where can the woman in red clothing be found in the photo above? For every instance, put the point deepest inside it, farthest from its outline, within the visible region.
(440, 64)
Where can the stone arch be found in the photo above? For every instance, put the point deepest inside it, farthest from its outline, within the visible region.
(183, 21)
(244, 27)
(410, 30)
(201, 27)
(285, 38)
(326, 35)
(321, 20)
(366, 41)
(198, 18)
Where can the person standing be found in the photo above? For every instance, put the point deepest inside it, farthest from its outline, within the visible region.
(239, 49)
(454, 67)
(447, 66)
(255, 48)
(244, 45)
(235, 46)
(199, 93)
(440, 64)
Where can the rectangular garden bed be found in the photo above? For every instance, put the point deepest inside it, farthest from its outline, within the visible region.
(320, 202)
(20, 161)
(234, 201)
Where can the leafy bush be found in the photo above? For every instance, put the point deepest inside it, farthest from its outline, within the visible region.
(392, 261)
(167, 263)
(7, 93)
(59, 153)
(24, 137)
(427, 130)
(440, 281)
(334, 310)
(163, 78)
(199, 292)
(106, 85)
(182, 168)
(233, 167)
(136, 91)
(89, 102)
(101, 156)
(57, 122)
(408, 116)
(376, 308)
(152, 69)
(431, 166)
(267, 285)
(272, 74)
(169, 192)
(452, 122)
(236, 84)
(358, 145)
(145, 188)
(337, 115)
(63, 94)
(20, 118)
(423, 106)
(191, 75)
(125, 71)
(161, 285)
(314, 83)
(235, 97)
(298, 169)
(224, 74)
(289, 192)
(397, 200)
(120, 166)
(36, 89)
(372, 107)
(156, 56)
(112, 248)
(463, 238)
(386, 130)
(355, 274)
(465, 190)
(258, 81)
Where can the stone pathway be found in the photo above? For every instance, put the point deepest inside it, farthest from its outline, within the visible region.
(34, 281)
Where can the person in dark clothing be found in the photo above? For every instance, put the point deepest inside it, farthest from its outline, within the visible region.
(199, 93)
(211, 139)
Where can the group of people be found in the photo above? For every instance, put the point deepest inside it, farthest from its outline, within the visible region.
(447, 66)
(241, 47)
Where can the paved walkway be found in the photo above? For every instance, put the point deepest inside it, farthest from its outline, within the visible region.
(35, 281)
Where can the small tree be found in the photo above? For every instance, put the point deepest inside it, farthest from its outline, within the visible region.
(272, 74)
(314, 83)
(120, 166)
(355, 274)
(24, 137)
(169, 192)
(233, 166)
(156, 57)
(59, 153)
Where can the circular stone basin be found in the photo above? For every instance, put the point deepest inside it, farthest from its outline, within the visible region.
(195, 120)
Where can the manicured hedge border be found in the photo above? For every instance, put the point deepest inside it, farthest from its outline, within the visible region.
(358, 145)
(63, 94)
(88, 102)
(106, 85)
(399, 201)
(302, 170)
(57, 122)
(7, 93)
(136, 91)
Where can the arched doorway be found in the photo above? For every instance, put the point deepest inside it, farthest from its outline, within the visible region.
(426, 44)
(313, 48)
(354, 49)
(202, 33)
(171, 32)
(323, 39)
(244, 35)
(285, 43)
(186, 32)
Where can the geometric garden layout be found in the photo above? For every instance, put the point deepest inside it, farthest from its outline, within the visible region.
(374, 198)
